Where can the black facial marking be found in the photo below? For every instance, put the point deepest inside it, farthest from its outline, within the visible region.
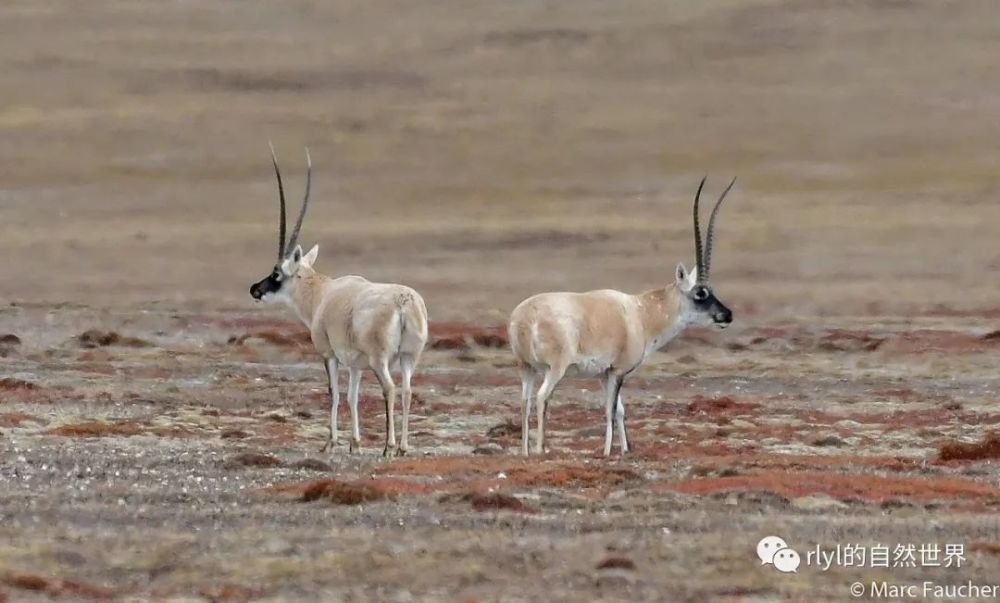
(704, 300)
(269, 284)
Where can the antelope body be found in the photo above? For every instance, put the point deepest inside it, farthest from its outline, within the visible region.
(608, 334)
(353, 323)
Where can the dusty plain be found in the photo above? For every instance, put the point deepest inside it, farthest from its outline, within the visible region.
(159, 434)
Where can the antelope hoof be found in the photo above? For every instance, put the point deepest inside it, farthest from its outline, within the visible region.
(401, 451)
(388, 450)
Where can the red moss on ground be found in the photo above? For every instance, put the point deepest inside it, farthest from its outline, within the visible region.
(85, 591)
(616, 563)
(987, 548)
(27, 581)
(988, 448)
(724, 404)
(496, 502)
(14, 419)
(869, 488)
(293, 338)
(345, 493)
(124, 428)
(11, 384)
(95, 338)
(932, 340)
(452, 465)
(253, 459)
(463, 335)
(575, 475)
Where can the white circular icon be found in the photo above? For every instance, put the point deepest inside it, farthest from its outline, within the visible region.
(768, 546)
(786, 561)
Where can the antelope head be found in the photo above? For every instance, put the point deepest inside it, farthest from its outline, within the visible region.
(699, 299)
(282, 279)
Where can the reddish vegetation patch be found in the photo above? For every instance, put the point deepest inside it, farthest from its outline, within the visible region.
(247, 323)
(95, 338)
(930, 340)
(26, 581)
(11, 384)
(462, 335)
(516, 471)
(295, 338)
(96, 429)
(871, 488)
(824, 462)
(988, 548)
(253, 459)
(724, 404)
(14, 419)
(345, 493)
(988, 448)
(843, 340)
(124, 428)
(452, 465)
(85, 591)
(570, 475)
(496, 501)
(617, 563)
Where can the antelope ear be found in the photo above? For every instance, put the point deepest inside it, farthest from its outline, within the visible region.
(310, 257)
(297, 254)
(692, 278)
(685, 279)
(681, 273)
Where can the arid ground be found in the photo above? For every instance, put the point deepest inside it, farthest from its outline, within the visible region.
(160, 434)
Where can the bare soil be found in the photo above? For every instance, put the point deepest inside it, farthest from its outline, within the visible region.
(159, 435)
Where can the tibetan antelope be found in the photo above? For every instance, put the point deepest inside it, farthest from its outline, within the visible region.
(352, 322)
(608, 334)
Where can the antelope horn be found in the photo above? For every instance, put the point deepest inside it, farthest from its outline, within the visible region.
(711, 230)
(698, 256)
(305, 204)
(281, 199)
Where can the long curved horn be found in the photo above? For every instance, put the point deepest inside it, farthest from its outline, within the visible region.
(281, 198)
(305, 204)
(698, 256)
(711, 229)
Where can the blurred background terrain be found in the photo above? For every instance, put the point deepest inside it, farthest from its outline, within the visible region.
(456, 140)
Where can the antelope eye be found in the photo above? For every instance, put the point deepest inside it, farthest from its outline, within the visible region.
(701, 293)
(276, 275)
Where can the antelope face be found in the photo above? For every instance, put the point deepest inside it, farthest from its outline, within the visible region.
(279, 283)
(268, 288)
(708, 308)
(701, 303)
(283, 277)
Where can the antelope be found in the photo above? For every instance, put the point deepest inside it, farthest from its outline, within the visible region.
(352, 322)
(608, 334)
